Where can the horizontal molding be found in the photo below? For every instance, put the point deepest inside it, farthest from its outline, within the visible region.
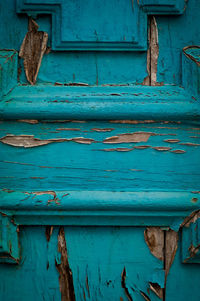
(98, 207)
(100, 103)
(163, 7)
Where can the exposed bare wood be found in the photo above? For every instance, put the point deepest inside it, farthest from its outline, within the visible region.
(129, 137)
(162, 148)
(65, 273)
(32, 50)
(31, 121)
(48, 232)
(154, 238)
(123, 283)
(178, 151)
(152, 54)
(28, 141)
(155, 287)
(171, 245)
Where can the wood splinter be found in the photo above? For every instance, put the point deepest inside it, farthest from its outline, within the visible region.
(32, 50)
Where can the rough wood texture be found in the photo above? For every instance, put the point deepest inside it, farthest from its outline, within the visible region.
(154, 238)
(32, 50)
(65, 273)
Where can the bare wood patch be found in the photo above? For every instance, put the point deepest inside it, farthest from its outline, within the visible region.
(152, 54)
(132, 121)
(32, 50)
(178, 151)
(171, 245)
(172, 140)
(68, 129)
(31, 121)
(65, 273)
(28, 141)
(190, 144)
(192, 218)
(118, 149)
(102, 130)
(132, 137)
(155, 287)
(162, 148)
(154, 238)
(142, 146)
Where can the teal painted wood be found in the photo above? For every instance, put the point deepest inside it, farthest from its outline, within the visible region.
(167, 209)
(100, 182)
(134, 102)
(191, 241)
(9, 240)
(181, 279)
(120, 28)
(8, 71)
(96, 275)
(152, 156)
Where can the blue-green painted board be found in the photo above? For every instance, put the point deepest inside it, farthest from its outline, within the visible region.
(97, 163)
(77, 166)
(119, 67)
(183, 279)
(96, 275)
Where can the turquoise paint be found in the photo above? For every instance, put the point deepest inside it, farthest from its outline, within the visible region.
(190, 242)
(8, 71)
(9, 240)
(104, 194)
(182, 279)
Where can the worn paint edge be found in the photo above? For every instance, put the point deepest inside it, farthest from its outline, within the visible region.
(98, 207)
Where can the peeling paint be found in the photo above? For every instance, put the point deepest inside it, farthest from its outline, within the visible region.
(118, 149)
(68, 129)
(63, 268)
(172, 140)
(178, 151)
(145, 296)
(152, 54)
(162, 148)
(132, 137)
(155, 287)
(192, 218)
(171, 246)
(28, 141)
(154, 238)
(123, 284)
(48, 232)
(32, 50)
(31, 121)
(190, 144)
(197, 61)
(102, 130)
(132, 121)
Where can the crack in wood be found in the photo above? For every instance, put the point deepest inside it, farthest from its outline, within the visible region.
(65, 273)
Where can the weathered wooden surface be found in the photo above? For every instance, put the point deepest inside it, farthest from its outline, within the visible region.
(99, 150)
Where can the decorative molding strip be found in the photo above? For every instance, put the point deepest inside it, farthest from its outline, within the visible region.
(100, 103)
(98, 207)
(70, 34)
(161, 7)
